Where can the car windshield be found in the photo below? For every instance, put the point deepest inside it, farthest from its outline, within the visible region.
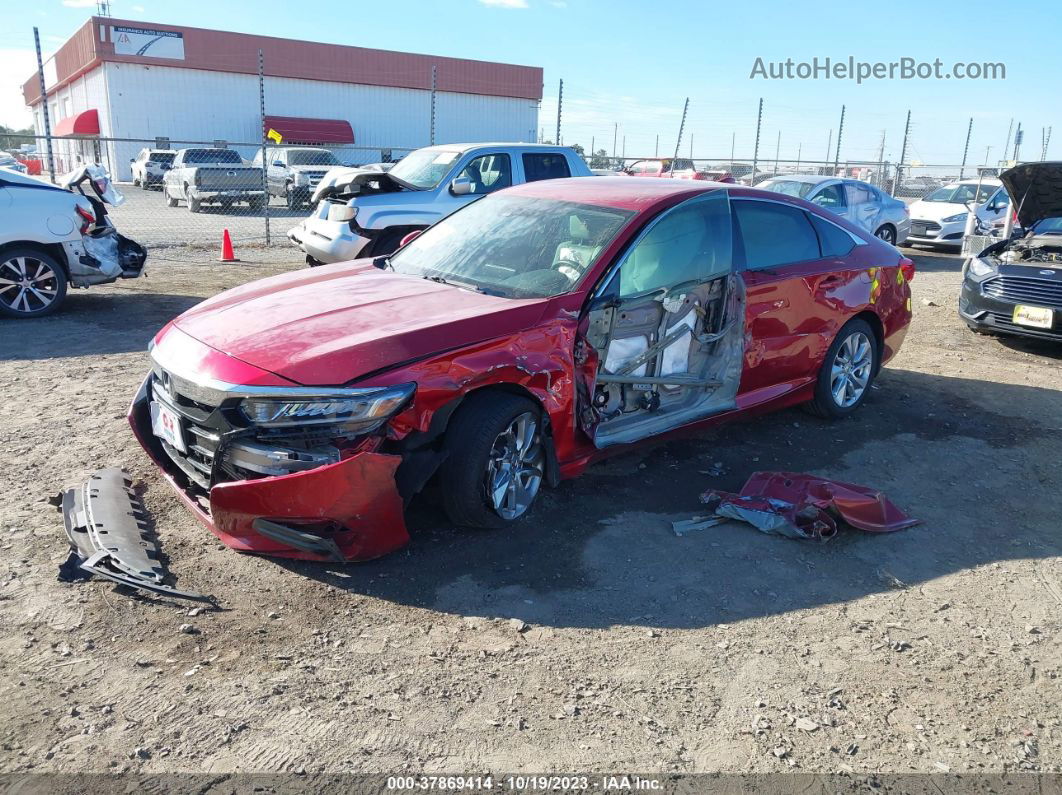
(961, 193)
(312, 157)
(161, 157)
(424, 169)
(790, 187)
(1048, 226)
(212, 156)
(513, 246)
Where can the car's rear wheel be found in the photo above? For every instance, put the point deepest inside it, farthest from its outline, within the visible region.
(495, 462)
(170, 200)
(886, 233)
(847, 371)
(32, 283)
(194, 204)
(291, 197)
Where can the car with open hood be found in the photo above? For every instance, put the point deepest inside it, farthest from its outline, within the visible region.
(365, 212)
(505, 348)
(939, 219)
(1014, 286)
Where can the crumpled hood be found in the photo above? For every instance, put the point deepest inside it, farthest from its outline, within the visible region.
(334, 324)
(1036, 190)
(339, 179)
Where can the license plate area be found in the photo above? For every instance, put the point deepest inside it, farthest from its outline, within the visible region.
(1033, 316)
(168, 426)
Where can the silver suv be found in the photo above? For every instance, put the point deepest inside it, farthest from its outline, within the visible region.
(293, 172)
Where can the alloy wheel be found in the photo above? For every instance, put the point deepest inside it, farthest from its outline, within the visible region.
(515, 467)
(886, 234)
(27, 284)
(850, 371)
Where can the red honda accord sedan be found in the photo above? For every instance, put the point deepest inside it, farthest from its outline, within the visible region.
(509, 346)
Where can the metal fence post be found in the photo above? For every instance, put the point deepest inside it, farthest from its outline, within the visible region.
(678, 141)
(756, 150)
(560, 104)
(431, 136)
(966, 149)
(903, 154)
(840, 132)
(44, 104)
(265, 161)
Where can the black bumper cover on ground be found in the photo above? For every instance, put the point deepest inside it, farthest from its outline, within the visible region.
(110, 537)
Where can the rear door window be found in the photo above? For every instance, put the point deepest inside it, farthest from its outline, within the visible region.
(835, 242)
(857, 194)
(831, 197)
(545, 165)
(775, 234)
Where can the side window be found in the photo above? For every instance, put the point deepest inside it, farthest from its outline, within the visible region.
(835, 241)
(539, 166)
(690, 243)
(775, 234)
(142, 155)
(857, 194)
(638, 167)
(489, 173)
(831, 197)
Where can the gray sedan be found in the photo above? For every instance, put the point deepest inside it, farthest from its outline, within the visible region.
(858, 202)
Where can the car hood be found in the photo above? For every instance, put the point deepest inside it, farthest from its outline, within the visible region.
(1036, 189)
(337, 323)
(936, 211)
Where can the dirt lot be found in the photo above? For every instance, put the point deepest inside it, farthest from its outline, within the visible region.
(937, 648)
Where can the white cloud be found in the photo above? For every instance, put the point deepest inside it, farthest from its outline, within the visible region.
(505, 3)
(19, 66)
(79, 3)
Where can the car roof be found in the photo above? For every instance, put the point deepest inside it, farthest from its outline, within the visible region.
(495, 145)
(625, 193)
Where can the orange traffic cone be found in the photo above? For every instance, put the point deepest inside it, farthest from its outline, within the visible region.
(227, 254)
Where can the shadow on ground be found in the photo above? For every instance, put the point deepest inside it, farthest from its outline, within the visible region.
(930, 260)
(600, 550)
(103, 319)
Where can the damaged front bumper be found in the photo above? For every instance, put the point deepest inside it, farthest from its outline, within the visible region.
(349, 510)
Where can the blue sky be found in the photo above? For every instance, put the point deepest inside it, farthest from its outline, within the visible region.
(633, 63)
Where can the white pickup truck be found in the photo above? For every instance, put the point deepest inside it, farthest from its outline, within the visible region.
(366, 212)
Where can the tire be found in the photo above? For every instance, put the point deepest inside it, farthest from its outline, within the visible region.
(194, 205)
(291, 197)
(256, 204)
(388, 241)
(137, 183)
(887, 233)
(170, 201)
(858, 339)
(481, 451)
(38, 283)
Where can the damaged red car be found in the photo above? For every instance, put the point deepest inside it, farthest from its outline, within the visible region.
(506, 348)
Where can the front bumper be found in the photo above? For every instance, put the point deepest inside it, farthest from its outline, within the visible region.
(226, 195)
(347, 511)
(327, 241)
(943, 235)
(995, 315)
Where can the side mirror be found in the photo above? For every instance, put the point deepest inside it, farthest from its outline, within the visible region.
(410, 237)
(461, 186)
(132, 160)
(278, 164)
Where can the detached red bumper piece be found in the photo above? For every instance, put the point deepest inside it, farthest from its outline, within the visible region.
(349, 510)
(805, 506)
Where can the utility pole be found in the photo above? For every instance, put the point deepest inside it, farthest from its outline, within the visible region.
(265, 137)
(881, 162)
(656, 149)
(777, 149)
(560, 104)
(615, 132)
(678, 141)
(431, 134)
(756, 148)
(987, 150)
(800, 147)
(44, 105)
(903, 153)
(733, 141)
(966, 149)
(1019, 136)
(840, 132)
(1006, 146)
(691, 146)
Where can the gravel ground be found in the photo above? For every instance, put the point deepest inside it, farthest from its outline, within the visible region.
(590, 637)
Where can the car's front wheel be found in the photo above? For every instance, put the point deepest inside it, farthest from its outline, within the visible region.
(847, 371)
(496, 460)
(32, 283)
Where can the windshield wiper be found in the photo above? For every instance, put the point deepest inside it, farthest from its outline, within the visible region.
(463, 285)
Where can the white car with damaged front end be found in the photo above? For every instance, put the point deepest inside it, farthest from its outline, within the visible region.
(365, 212)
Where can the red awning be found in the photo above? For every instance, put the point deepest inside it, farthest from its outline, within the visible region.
(297, 130)
(85, 123)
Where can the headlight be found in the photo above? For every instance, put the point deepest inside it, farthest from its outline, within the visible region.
(362, 410)
(978, 267)
(301, 179)
(953, 218)
(341, 212)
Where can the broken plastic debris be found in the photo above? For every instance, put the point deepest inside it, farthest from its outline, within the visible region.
(802, 506)
(685, 526)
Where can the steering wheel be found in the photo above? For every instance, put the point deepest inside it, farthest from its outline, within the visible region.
(569, 268)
